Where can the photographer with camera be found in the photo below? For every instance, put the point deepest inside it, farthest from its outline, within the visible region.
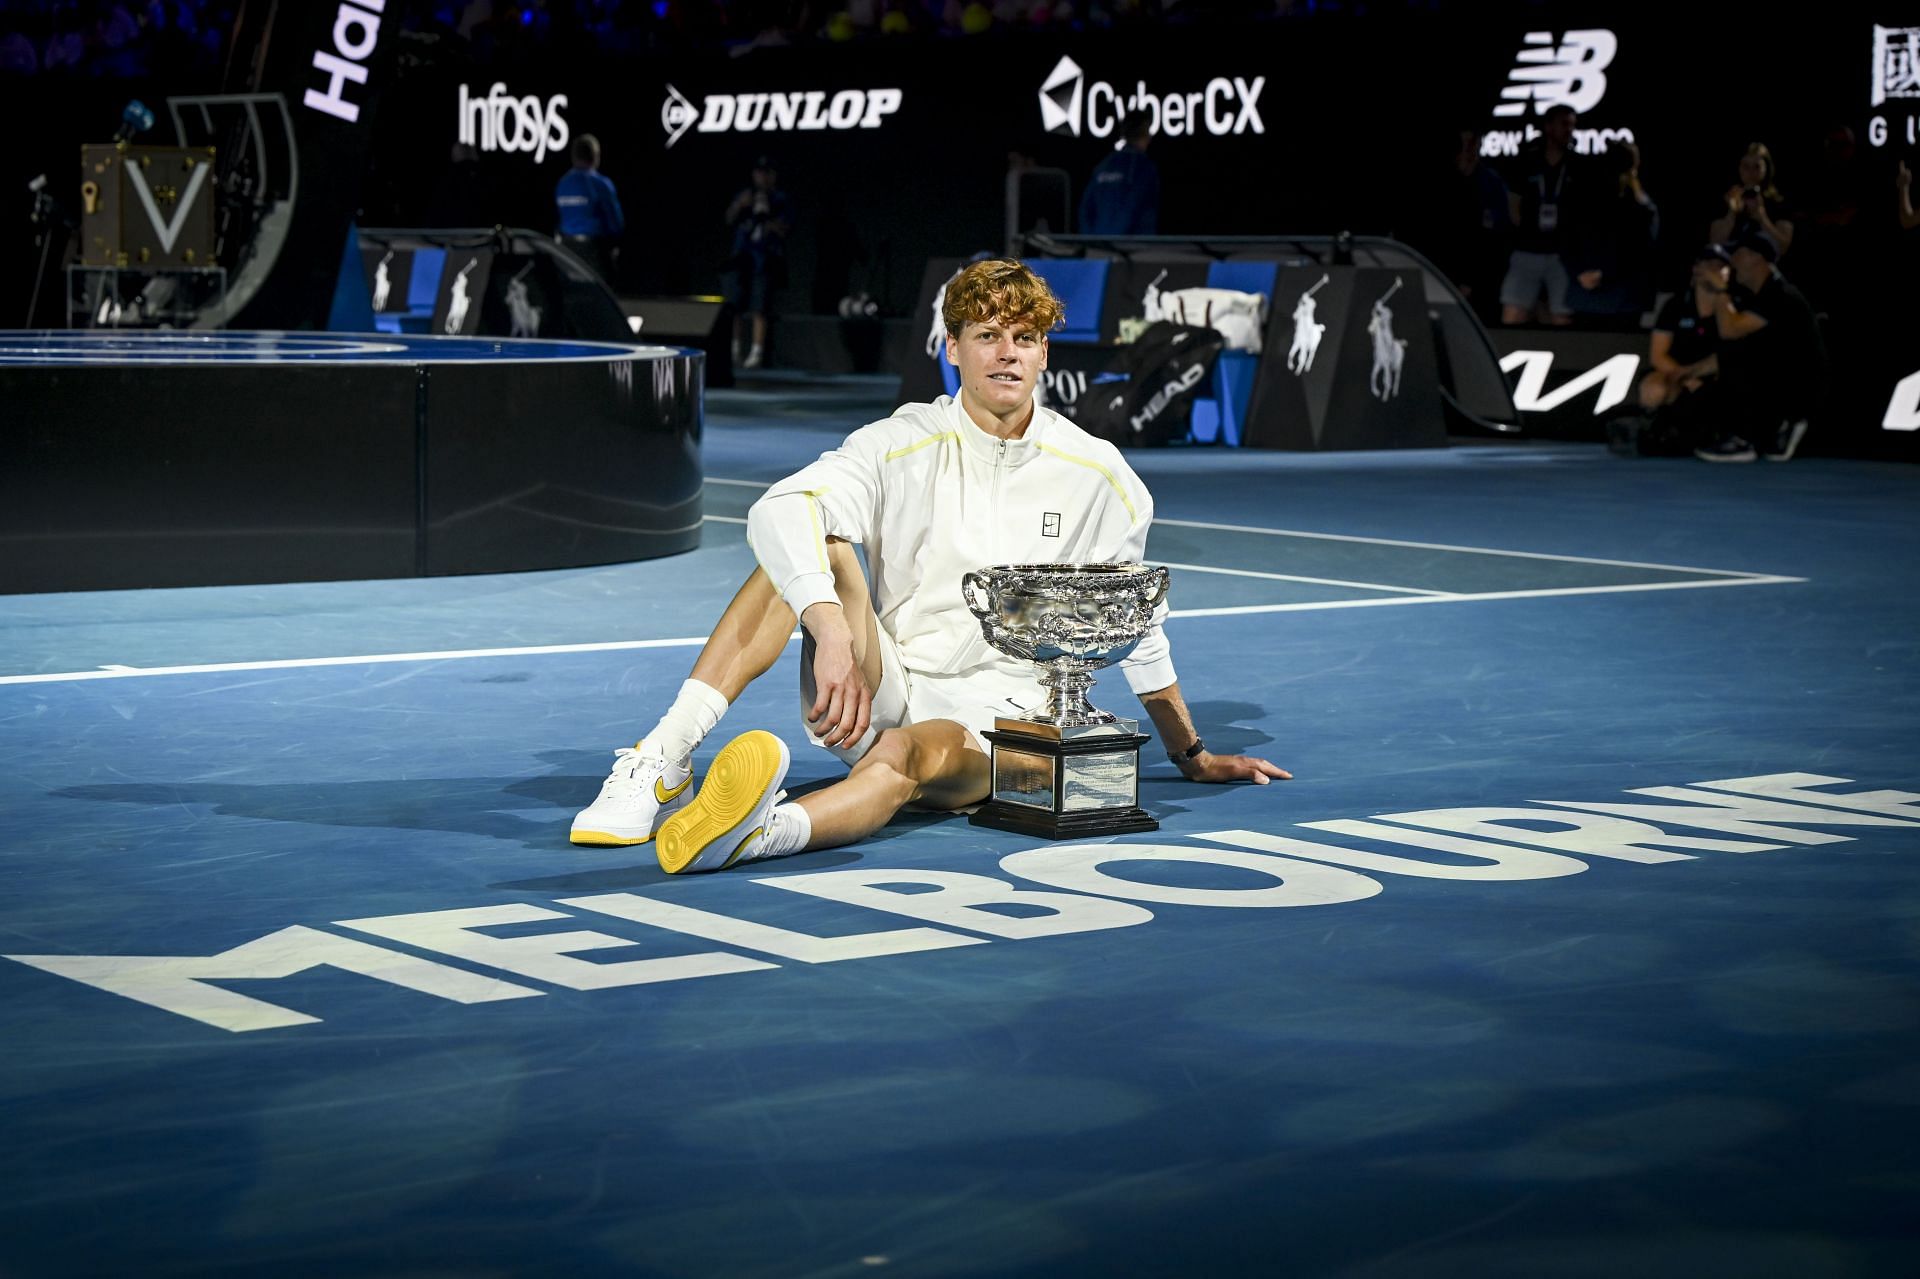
(1772, 359)
(761, 216)
(1754, 203)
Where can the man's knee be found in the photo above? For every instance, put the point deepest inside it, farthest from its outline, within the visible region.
(1655, 390)
(935, 762)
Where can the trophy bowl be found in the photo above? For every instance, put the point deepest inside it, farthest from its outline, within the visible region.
(1070, 619)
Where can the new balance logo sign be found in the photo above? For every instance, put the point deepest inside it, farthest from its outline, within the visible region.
(1070, 104)
(803, 111)
(1547, 74)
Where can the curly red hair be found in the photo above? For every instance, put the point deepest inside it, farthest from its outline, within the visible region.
(1004, 290)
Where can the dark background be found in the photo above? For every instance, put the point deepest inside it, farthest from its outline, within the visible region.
(1360, 106)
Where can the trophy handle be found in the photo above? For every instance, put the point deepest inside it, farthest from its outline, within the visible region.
(1163, 579)
(969, 584)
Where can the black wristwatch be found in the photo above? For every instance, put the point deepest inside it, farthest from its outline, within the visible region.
(1192, 752)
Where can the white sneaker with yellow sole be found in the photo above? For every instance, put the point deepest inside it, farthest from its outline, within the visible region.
(639, 794)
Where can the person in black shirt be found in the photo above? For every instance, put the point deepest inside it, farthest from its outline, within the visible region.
(1542, 204)
(1684, 354)
(1611, 259)
(760, 217)
(1468, 225)
(1772, 365)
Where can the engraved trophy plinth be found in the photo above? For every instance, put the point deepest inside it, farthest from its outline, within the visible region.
(1069, 770)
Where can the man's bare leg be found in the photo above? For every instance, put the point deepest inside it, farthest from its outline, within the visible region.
(737, 815)
(651, 782)
(754, 630)
(933, 764)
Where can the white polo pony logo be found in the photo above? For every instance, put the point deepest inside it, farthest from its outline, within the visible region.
(382, 286)
(1389, 352)
(457, 310)
(526, 316)
(1306, 332)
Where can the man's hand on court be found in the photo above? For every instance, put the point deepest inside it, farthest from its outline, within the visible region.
(1209, 767)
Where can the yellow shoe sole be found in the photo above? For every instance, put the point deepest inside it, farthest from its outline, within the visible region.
(746, 770)
(600, 839)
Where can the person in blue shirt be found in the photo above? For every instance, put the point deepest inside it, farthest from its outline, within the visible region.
(1123, 195)
(590, 218)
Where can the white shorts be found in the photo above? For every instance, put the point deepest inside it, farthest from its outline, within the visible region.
(973, 700)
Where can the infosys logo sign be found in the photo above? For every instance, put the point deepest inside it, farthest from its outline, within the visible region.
(805, 111)
(1071, 104)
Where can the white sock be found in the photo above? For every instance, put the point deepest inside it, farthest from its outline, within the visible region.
(788, 830)
(695, 711)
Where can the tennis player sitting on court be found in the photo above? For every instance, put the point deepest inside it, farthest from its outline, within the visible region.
(896, 677)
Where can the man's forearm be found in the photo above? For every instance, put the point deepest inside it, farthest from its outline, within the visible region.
(826, 623)
(1171, 719)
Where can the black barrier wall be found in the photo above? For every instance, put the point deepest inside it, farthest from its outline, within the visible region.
(408, 461)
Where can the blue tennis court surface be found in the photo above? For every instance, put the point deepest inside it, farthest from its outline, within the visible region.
(1585, 941)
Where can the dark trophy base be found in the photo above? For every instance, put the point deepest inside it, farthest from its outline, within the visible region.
(1065, 783)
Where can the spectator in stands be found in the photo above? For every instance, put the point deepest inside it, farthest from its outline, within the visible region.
(1754, 203)
(1544, 208)
(460, 197)
(590, 218)
(761, 217)
(1472, 229)
(1612, 260)
(1123, 194)
(1772, 361)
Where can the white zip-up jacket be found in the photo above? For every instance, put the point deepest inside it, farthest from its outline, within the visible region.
(931, 497)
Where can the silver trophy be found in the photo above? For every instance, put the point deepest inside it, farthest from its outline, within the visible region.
(1068, 769)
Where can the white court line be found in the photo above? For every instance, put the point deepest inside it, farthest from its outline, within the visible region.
(367, 659)
(1295, 577)
(1245, 610)
(1471, 550)
(1421, 546)
(363, 659)
(1408, 595)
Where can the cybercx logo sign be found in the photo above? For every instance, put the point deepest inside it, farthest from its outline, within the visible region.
(1072, 104)
(804, 111)
(1546, 73)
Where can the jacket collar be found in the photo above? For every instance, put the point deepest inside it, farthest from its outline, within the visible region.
(987, 447)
